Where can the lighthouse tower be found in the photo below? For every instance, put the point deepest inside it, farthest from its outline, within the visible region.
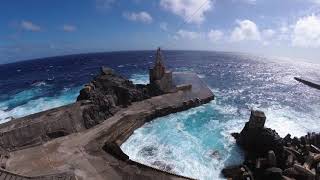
(159, 76)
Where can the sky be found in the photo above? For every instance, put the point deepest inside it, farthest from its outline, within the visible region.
(42, 28)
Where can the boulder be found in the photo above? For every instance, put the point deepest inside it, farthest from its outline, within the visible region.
(257, 139)
(273, 173)
(267, 155)
(106, 71)
(272, 159)
(232, 171)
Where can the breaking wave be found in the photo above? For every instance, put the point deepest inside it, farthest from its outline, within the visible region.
(195, 143)
(33, 101)
(140, 78)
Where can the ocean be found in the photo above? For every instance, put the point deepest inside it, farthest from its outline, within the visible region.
(194, 143)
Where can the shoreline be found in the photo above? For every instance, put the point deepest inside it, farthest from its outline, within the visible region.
(61, 140)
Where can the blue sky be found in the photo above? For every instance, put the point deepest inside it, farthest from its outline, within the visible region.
(41, 28)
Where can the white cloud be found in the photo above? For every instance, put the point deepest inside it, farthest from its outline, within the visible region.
(284, 29)
(249, 1)
(29, 26)
(104, 4)
(215, 35)
(139, 16)
(246, 30)
(69, 28)
(188, 34)
(268, 36)
(164, 26)
(192, 11)
(306, 32)
(268, 33)
(315, 1)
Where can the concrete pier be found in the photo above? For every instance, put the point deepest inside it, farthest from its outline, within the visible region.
(310, 83)
(95, 154)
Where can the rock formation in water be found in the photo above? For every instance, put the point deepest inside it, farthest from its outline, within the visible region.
(269, 157)
(109, 91)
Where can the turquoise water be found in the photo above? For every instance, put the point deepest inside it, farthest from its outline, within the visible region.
(197, 143)
(194, 143)
(36, 101)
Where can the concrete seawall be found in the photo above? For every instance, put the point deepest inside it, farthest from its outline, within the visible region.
(6, 175)
(308, 83)
(94, 154)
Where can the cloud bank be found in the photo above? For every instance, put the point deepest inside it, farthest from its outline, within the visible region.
(142, 16)
(192, 11)
(30, 26)
(69, 28)
(306, 32)
(246, 30)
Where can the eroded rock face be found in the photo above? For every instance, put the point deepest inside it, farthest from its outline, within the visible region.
(109, 91)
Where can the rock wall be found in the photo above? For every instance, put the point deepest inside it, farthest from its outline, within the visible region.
(38, 128)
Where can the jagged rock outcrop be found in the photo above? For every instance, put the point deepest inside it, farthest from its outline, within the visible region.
(257, 139)
(108, 92)
(268, 156)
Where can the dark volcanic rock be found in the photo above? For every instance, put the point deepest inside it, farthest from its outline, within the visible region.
(268, 156)
(241, 172)
(163, 166)
(109, 91)
(273, 173)
(115, 150)
(108, 83)
(257, 139)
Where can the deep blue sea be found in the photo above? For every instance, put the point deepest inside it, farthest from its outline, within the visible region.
(193, 143)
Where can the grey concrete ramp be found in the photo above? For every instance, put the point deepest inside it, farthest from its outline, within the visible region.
(6, 175)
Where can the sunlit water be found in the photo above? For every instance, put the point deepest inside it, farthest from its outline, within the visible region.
(197, 142)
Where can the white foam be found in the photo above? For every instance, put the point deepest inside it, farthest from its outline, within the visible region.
(140, 78)
(38, 105)
(202, 76)
(182, 146)
(40, 83)
(286, 120)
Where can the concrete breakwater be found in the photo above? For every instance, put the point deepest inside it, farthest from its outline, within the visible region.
(5, 175)
(308, 83)
(84, 138)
